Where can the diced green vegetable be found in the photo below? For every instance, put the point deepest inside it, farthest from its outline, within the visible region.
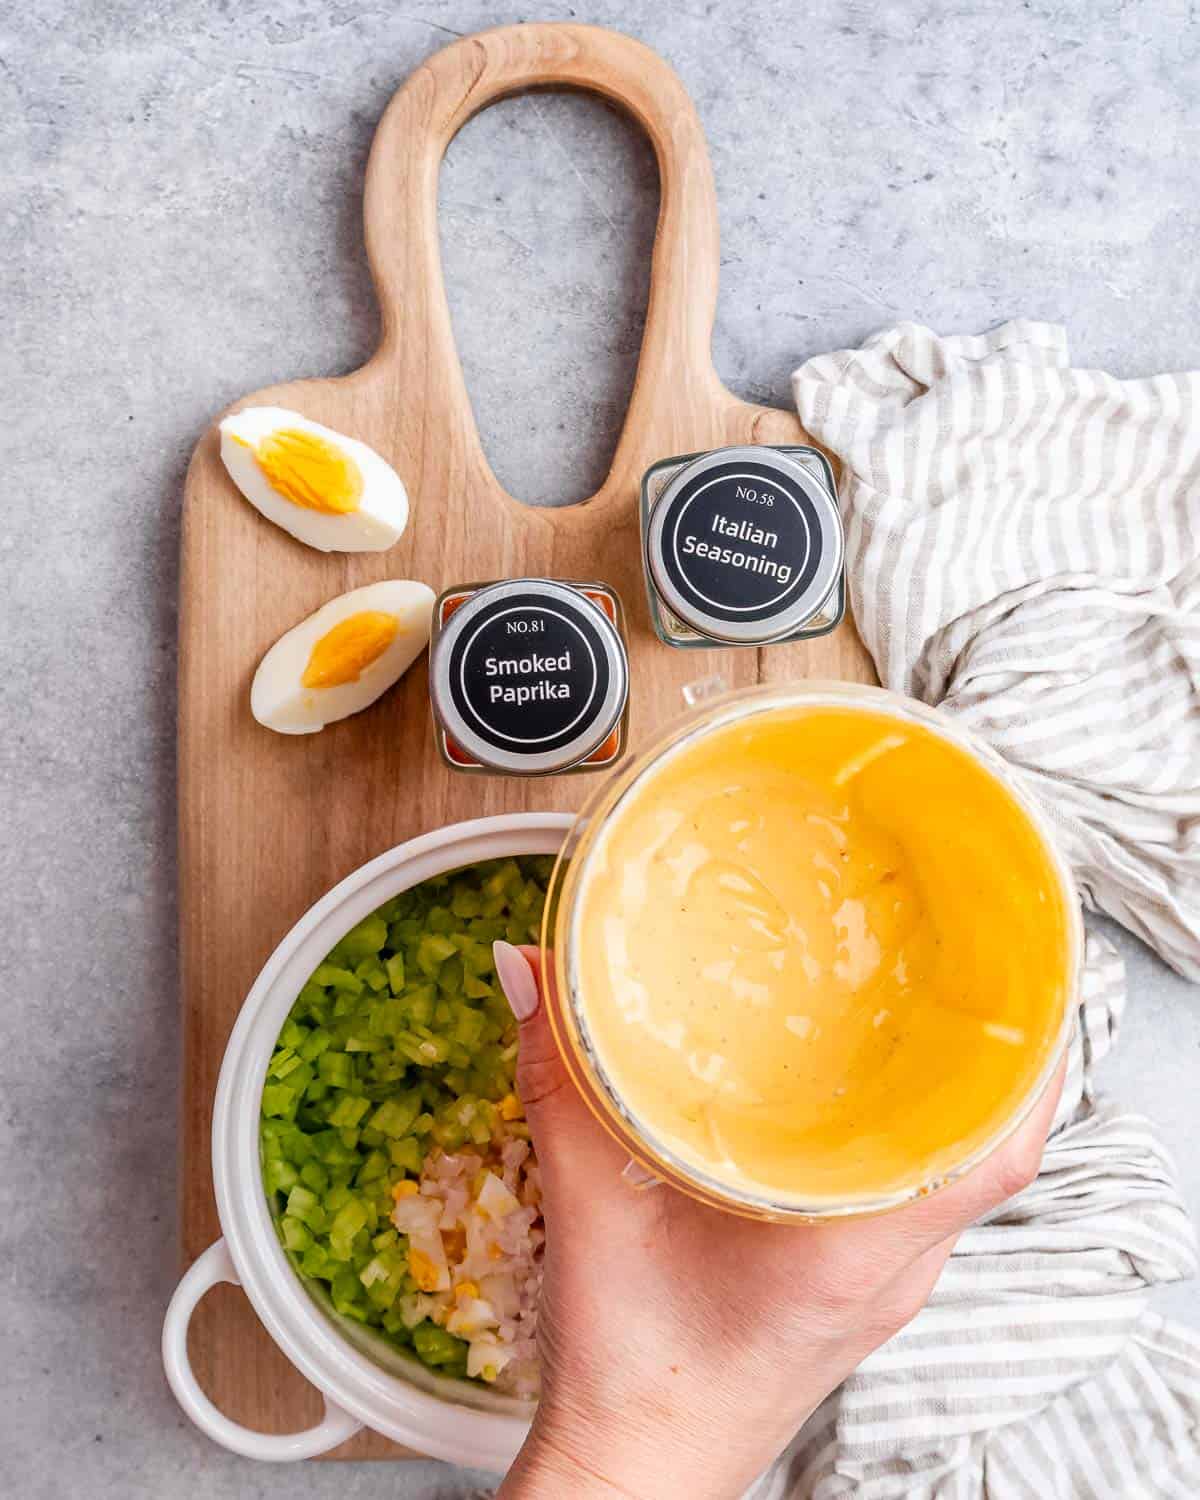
(375, 1166)
(314, 1044)
(395, 1116)
(335, 1068)
(406, 1154)
(399, 1042)
(349, 1110)
(437, 1347)
(279, 1100)
(296, 1235)
(280, 1176)
(340, 979)
(314, 1176)
(432, 953)
(366, 939)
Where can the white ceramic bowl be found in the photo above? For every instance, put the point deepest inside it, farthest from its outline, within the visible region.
(364, 1381)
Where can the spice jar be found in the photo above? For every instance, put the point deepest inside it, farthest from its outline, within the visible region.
(742, 546)
(529, 676)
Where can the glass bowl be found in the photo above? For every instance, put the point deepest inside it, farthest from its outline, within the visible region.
(653, 1160)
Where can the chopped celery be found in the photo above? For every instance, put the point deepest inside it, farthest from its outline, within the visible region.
(347, 1221)
(468, 1026)
(279, 1100)
(314, 1176)
(365, 940)
(395, 1116)
(503, 879)
(375, 1166)
(337, 1197)
(283, 1063)
(280, 1176)
(421, 1002)
(372, 972)
(292, 1035)
(315, 1261)
(339, 979)
(336, 1068)
(400, 1042)
(332, 1150)
(349, 1110)
(432, 952)
(406, 1154)
(436, 1346)
(310, 999)
(386, 1018)
(488, 929)
(302, 1204)
(476, 957)
(314, 1044)
(346, 1291)
(296, 1235)
(465, 902)
(450, 978)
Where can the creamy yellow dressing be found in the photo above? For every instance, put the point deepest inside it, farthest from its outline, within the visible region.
(820, 953)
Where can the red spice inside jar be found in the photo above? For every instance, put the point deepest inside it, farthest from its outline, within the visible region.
(602, 753)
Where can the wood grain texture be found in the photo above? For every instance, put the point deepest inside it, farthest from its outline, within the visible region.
(268, 822)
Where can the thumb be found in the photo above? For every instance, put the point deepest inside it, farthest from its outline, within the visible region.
(567, 1137)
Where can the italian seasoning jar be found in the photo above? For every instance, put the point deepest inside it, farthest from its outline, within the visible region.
(742, 546)
(529, 677)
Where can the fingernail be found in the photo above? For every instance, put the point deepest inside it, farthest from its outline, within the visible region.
(516, 979)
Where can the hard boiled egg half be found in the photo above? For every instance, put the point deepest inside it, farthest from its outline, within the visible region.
(330, 491)
(342, 658)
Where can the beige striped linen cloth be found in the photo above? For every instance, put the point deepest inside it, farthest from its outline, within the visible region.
(1023, 548)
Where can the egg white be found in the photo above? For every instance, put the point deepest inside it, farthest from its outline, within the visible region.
(278, 698)
(382, 512)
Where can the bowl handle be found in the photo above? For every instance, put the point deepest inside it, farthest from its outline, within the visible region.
(216, 1264)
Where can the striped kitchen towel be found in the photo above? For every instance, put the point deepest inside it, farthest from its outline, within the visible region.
(1023, 548)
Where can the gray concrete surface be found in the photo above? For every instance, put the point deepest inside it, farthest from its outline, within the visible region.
(180, 223)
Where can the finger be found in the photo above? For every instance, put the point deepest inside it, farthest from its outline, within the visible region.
(567, 1137)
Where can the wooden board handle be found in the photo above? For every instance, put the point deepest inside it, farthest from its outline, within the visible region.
(401, 217)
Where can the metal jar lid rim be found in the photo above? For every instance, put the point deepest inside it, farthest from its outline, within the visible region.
(794, 615)
(591, 735)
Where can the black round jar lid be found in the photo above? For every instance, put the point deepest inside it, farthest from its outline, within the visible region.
(744, 545)
(529, 675)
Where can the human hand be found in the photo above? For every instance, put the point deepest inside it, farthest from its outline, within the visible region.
(682, 1347)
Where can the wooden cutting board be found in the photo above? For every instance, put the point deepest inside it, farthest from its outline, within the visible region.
(269, 822)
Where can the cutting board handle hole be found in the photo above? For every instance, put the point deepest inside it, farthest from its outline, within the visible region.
(566, 243)
(674, 369)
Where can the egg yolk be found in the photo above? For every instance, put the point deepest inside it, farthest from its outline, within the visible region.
(310, 471)
(345, 652)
